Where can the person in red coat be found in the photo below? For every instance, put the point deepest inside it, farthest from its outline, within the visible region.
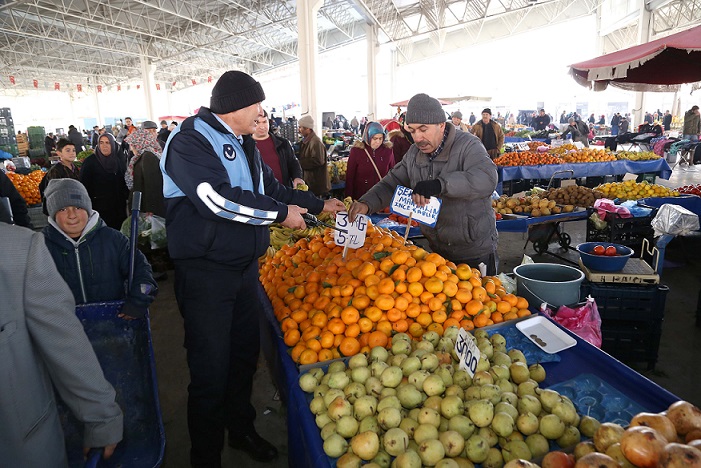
(369, 161)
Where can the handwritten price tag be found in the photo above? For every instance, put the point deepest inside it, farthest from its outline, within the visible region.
(403, 205)
(466, 348)
(355, 237)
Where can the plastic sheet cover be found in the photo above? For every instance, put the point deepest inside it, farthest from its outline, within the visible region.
(675, 220)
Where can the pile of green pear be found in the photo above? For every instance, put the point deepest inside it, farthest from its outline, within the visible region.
(411, 405)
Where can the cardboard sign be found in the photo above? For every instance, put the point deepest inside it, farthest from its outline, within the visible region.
(404, 206)
(357, 230)
(468, 352)
(522, 146)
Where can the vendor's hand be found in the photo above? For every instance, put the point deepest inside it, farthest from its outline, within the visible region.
(357, 208)
(420, 200)
(294, 217)
(333, 205)
(108, 451)
(298, 181)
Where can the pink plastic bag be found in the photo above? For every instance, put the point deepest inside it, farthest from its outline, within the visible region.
(584, 321)
(604, 205)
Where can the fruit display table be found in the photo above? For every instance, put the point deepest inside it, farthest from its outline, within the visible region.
(581, 368)
(521, 223)
(658, 167)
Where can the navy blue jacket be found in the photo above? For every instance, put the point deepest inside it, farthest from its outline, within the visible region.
(103, 254)
(196, 234)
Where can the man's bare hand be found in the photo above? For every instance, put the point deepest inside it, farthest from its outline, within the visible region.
(294, 217)
(356, 209)
(108, 451)
(333, 205)
(297, 182)
(419, 200)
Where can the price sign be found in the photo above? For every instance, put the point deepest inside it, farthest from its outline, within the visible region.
(466, 348)
(357, 230)
(403, 205)
(522, 146)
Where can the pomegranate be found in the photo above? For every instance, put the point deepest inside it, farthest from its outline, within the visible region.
(558, 459)
(642, 446)
(680, 456)
(685, 416)
(660, 423)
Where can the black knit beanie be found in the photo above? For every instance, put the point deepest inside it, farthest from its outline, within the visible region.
(423, 109)
(235, 90)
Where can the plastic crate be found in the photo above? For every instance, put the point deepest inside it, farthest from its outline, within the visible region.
(631, 317)
(625, 231)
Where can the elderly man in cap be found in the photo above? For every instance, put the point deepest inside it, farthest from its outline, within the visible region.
(490, 133)
(312, 158)
(220, 200)
(456, 118)
(163, 133)
(454, 167)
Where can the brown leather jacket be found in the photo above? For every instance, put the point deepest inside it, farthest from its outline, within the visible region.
(477, 130)
(312, 158)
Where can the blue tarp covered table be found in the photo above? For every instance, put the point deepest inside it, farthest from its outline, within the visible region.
(304, 440)
(413, 232)
(521, 224)
(619, 167)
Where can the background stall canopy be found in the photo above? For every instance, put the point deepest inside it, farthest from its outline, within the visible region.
(660, 65)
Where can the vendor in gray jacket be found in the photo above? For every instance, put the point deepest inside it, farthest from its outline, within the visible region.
(450, 165)
(42, 342)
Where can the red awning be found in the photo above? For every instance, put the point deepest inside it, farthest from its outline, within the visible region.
(404, 103)
(660, 65)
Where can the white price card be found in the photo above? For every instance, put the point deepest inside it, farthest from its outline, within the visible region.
(523, 146)
(468, 352)
(356, 231)
(404, 206)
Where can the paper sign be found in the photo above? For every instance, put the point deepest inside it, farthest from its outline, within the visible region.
(468, 352)
(567, 182)
(404, 206)
(522, 146)
(630, 176)
(557, 143)
(355, 237)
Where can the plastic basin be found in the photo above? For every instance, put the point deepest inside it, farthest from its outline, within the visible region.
(604, 263)
(548, 282)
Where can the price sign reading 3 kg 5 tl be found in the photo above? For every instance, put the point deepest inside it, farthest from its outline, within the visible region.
(468, 352)
(355, 237)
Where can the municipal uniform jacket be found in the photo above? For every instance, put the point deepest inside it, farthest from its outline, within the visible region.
(220, 197)
(361, 174)
(312, 158)
(289, 165)
(96, 266)
(466, 226)
(42, 342)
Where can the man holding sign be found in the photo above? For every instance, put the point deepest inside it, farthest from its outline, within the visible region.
(450, 165)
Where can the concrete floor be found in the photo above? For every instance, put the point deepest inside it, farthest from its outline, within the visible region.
(677, 369)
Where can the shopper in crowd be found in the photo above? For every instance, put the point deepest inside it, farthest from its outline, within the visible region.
(602, 120)
(65, 168)
(648, 119)
(369, 161)
(490, 133)
(312, 158)
(667, 121)
(128, 129)
(94, 135)
(563, 117)
(578, 130)
(472, 118)
(363, 122)
(77, 139)
(511, 120)
(623, 125)
(20, 213)
(45, 350)
(592, 118)
(456, 118)
(354, 124)
(143, 174)
(615, 121)
(102, 174)
(278, 154)
(220, 200)
(91, 257)
(49, 145)
(163, 133)
(692, 124)
(541, 121)
(401, 141)
(454, 167)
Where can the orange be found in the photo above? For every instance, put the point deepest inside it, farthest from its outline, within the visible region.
(291, 337)
(433, 285)
(365, 324)
(510, 315)
(413, 310)
(394, 314)
(373, 313)
(441, 275)
(450, 289)
(297, 351)
(522, 303)
(401, 303)
(436, 327)
(372, 292)
(372, 280)
(399, 256)
(480, 320)
(435, 304)
(479, 293)
(347, 290)
(419, 253)
(350, 315)
(360, 302)
(416, 330)
(385, 326)
(428, 269)
(352, 330)
(325, 355)
(386, 286)
(336, 326)
(401, 287)
(384, 302)
(349, 346)
(451, 322)
(424, 319)
(314, 344)
(386, 265)
(288, 324)
(413, 275)
(308, 356)
(439, 316)
(400, 326)
(435, 259)
(513, 300)
(425, 297)
(377, 338)
(497, 317)
(319, 319)
(523, 312)
(474, 307)
(399, 274)
(415, 289)
(463, 272)
(503, 307)
(326, 339)
(311, 332)
(463, 295)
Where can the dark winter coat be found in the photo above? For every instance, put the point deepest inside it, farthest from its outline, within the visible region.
(77, 139)
(148, 180)
(49, 146)
(57, 171)
(96, 266)
(17, 203)
(108, 191)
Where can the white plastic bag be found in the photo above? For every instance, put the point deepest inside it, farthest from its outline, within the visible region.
(675, 220)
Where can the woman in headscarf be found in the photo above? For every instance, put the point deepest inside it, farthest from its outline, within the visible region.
(369, 161)
(143, 172)
(102, 174)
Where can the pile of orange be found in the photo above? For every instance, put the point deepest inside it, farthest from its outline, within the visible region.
(28, 185)
(588, 155)
(329, 307)
(526, 158)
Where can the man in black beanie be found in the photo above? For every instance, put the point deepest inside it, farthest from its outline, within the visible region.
(220, 199)
(450, 165)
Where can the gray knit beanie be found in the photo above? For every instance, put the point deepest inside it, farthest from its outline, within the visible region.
(235, 90)
(457, 115)
(61, 193)
(423, 109)
(307, 122)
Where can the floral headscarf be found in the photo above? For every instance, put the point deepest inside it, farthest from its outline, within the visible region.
(139, 142)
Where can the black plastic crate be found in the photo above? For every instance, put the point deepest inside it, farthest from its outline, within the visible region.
(625, 231)
(632, 341)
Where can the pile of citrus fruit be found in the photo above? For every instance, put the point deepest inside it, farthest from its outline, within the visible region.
(329, 307)
(588, 155)
(28, 185)
(631, 190)
(526, 158)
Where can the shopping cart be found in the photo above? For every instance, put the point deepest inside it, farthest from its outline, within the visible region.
(125, 352)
